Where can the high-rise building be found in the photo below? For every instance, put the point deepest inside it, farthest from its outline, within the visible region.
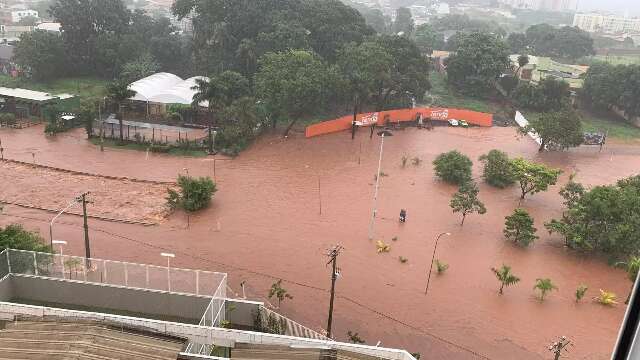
(608, 24)
(549, 5)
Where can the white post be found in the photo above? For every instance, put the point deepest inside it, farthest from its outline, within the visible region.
(104, 266)
(9, 260)
(168, 256)
(35, 264)
(126, 275)
(84, 269)
(147, 283)
(375, 194)
(197, 282)
(61, 243)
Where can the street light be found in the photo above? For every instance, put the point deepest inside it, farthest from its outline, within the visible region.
(71, 203)
(382, 134)
(432, 259)
(169, 256)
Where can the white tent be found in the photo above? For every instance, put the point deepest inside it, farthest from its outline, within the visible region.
(165, 88)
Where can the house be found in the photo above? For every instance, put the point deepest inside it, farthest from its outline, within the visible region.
(18, 15)
(540, 68)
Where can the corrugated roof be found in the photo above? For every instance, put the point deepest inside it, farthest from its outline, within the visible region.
(26, 94)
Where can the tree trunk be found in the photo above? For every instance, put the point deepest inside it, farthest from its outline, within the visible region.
(464, 216)
(293, 122)
(120, 121)
(501, 287)
(542, 146)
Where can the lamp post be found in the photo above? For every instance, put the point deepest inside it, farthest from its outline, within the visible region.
(432, 259)
(382, 134)
(169, 256)
(71, 203)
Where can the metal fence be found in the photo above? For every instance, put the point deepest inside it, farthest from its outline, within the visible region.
(117, 273)
(148, 133)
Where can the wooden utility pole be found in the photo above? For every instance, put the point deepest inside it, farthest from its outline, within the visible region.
(333, 255)
(87, 245)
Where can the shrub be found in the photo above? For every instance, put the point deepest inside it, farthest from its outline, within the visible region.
(7, 118)
(195, 193)
(580, 292)
(382, 247)
(403, 259)
(404, 160)
(441, 266)
(606, 298)
(497, 171)
(416, 161)
(14, 236)
(453, 167)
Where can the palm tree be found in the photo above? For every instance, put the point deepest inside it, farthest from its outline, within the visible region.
(118, 91)
(544, 286)
(633, 266)
(505, 276)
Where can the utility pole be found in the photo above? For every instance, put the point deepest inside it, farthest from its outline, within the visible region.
(87, 245)
(333, 255)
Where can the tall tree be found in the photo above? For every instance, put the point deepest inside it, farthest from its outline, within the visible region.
(505, 277)
(428, 39)
(477, 63)
(453, 167)
(533, 177)
(118, 91)
(466, 201)
(219, 92)
(403, 23)
(42, 54)
(557, 130)
(497, 170)
(294, 83)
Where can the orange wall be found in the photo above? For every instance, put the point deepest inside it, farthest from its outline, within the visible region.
(436, 114)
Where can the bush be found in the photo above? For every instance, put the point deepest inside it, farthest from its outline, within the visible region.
(195, 193)
(497, 171)
(7, 118)
(453, 167)
(16, 237)
(519, 227)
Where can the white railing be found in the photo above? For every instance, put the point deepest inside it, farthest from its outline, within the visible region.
(119, 273)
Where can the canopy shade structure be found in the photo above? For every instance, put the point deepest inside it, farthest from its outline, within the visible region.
(166, 88)
(24, 94)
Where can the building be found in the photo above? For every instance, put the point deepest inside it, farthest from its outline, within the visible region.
(18, 15)
(11, 33)
(608, 24)
(540, 68)
(56, 300)
(49, 26)
(548, 5)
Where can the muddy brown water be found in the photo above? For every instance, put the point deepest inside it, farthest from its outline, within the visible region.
(265, 223)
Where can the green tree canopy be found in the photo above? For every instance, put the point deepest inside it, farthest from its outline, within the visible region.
(16, 237)
(428, 39)
(453, 167)
(557, 130)
(497, 169)
(548, 95)
(466, 201)
(477, 63)
(519, 228)
(533, 177)
(42, 54)
(295, 83)
(403, 23)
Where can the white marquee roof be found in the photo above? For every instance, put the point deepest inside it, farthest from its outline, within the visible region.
(165, 88)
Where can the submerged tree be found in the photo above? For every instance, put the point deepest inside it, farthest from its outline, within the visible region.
(519, 227)
(453, 167)
(505, 277)
(533, 177)
(118, 91)
(279, 292)
(466, 201)
(544, 286)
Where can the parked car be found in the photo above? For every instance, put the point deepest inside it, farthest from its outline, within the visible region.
(453, 122)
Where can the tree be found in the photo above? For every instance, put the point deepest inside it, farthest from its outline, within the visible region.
(477, 63)
(428, 39)
(294, 83)
(219, 92)
(279, 292)
(403, 24)
(247, 57)
(523, 60)
(14, 236)
(603, 219)
(606, 86)
(505, 277)
(41, 53)
(533, 177)
(373, 17)
(519, 227)
(517, 43)
(118, 91)
(453, 167)
(497, 169)
(466, 201)
(194, 193)
(29, 21)
(544, 286)
(633, 266)
(90, 29)
(547, 96)
(581, 290)
(557, 130)
(139, 68)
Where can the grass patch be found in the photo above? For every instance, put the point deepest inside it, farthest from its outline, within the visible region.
(443, 96)
(110, 143)
(618, 129)
(84, 87)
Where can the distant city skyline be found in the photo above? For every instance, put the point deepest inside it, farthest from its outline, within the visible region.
(614, 6)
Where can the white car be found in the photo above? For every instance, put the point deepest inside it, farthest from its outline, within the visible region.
(453, 122)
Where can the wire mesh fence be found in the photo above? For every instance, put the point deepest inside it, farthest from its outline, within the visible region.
(148, 133)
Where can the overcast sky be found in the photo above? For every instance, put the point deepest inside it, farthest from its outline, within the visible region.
(617, 6)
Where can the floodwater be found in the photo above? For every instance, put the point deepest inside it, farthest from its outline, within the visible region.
(283, 203)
